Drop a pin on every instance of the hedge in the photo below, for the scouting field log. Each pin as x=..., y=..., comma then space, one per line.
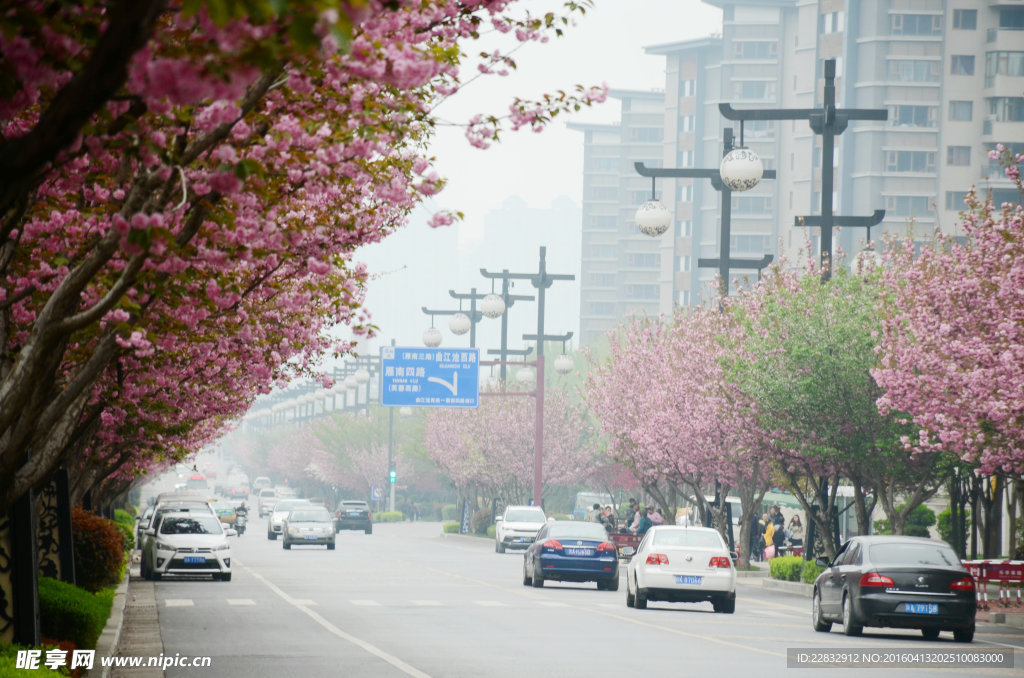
x=126, y=522
x=490, y=531
x=99, y=550
x=388, y=517
x=450, y=512
x=451, y=528
x=810, y=571
x=9, y=659
x=67, y=612
x=786, y=568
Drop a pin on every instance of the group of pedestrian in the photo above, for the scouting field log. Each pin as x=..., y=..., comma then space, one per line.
x=636, y=520
x=771, y=536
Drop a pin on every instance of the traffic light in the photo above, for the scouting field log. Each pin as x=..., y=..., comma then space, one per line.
x=392, y=475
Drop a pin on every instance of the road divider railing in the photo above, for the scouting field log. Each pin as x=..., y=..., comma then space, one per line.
x=1006, y=573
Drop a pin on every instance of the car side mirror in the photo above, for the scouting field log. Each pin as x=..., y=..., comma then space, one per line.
x=735, y=556
x=627, y=551
x=822, y=562
x=144, y=525
x=498, y=519
x=231, y=533
x=149, y=532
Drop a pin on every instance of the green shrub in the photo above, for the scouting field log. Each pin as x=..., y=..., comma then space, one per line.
x=67, y=612
x=945, y=526
x=490, y=531
x=810, y=572
x=9, y=659
x=786, y=568
x=451, y=528
x=126, y=523
x=450, y=512
x=560, y=516
x=388, y=517
x=918, y=521
x=99, y=550
x=479, y=521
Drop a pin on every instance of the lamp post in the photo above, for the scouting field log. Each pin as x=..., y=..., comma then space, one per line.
x=738, y=171
x=828, y=121
x=494, y=305
x=461, y=321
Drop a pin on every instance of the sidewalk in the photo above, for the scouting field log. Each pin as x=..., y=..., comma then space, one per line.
x=133, y=629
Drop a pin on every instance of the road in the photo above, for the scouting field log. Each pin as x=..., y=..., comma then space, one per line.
x=407, y=601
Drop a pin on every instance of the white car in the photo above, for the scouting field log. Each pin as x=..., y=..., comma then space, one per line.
x=682, y=565
x=517, y=527
x=189, y=544
x=308, y=525
x=275, y=521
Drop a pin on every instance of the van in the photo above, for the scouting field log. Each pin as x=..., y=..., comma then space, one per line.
x=585, y=502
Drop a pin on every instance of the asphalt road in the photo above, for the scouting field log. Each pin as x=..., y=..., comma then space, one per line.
x=407, y=601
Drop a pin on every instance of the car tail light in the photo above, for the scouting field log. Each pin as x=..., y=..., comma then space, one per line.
x=720, y=561
x=657, y=559
x=552, y=544
x=875, y=579
x=606, y=546
x=965, y=584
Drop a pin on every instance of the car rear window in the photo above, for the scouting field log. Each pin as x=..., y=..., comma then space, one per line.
x=913, y=554
x=578, y=530
x=354, y=505
x=525, y=516
x=309, y=517
x=687, y=538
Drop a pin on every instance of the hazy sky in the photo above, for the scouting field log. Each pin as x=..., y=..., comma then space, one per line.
x=418, y=266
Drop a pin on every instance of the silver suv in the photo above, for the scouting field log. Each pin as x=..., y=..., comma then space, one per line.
x=517, y=527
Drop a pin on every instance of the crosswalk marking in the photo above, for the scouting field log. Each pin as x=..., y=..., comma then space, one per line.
x=365, y=603
x=178, y=602
x=241, y=601
x=426, y=603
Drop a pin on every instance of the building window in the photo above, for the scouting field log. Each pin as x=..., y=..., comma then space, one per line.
x=603, y=193
x=1007, y=109
x=914, y=70
x=602, y=308
x=907, y=205
x=1011, y=19
x=754, y=90
x=686, y=123
x=686, y=158
x=909, y=161
x=602, y=279
x=958, y=156
x=684, y=228
x=1004, y=63
x=756, y=244
x=602, y=164
x=994, y=167
x=955, y=200
x=641, y=291
x=603, y=223
x=912, y=116
x=831, y=22
x=688, y=88
x=963, y=64
x=752, y=204
x=759, y=49
x=643, y=260
x=916, y=24
x=965, y=19
x=961, y=111
x=645, y=134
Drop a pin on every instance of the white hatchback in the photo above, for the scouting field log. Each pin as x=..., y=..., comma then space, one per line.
x=192, y=543
x=517, y=527
x=682, y=565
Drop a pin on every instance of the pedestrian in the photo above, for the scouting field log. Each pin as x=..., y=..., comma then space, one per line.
x=594, y=514
x=644, y=523
x=769, y=537
x=778, y=520
x=756, y=539
x=656, y=517
x=779, y=539
x=796, y=531
x=632, y=515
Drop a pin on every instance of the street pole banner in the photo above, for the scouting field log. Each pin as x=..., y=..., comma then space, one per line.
x=429, y=377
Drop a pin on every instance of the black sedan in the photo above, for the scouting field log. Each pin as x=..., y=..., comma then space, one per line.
x=572, y=550
x=901, y=582
x=353, y=515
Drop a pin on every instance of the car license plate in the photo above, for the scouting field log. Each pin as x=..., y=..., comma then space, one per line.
x=309, y=536
x=579, y=552
x=689, y=579
x=353, y=513
x=195, y=560
x=921, y=608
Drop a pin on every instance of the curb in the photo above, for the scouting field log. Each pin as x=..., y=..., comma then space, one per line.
x=797, y=587
x=106, y=645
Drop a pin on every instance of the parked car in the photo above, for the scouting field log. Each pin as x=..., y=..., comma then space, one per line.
x=140, y=521
x=308, y=525
x=895, y=581
x=679, y=564
x=517, y=527
x=149, y=530
x=275, y=519
x=189, y=543
x=197, y=481
x=353, y=514
x=571, y=550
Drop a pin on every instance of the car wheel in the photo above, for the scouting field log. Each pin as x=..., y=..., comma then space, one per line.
x=538, y=578
x=286, y=544
x=640, y=601
x=817, y=619
x=271, y=536
x=499, y=547
x=155, y=576
x=630, y=598
x=330, y=546
x=613, y=583
x=369, y=530
x=850, y=626
x=724, y=605
x=226, y=576
x=930, y=634
x=964, y=635
x=526, y=573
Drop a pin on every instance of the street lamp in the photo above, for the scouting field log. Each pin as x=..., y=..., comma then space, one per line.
x=459, y=324
x=432, y=337
x=492, y=305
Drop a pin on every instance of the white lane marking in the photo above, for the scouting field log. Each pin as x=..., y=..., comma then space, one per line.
x=491, y=603
x=178, y=602
x=551, y=603
x=365, y=603
x=331, y=628
x=241, y=601
x=426, y=603
x=304, y=601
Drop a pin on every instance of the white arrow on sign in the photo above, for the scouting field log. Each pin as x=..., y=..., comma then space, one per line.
x=453, y=386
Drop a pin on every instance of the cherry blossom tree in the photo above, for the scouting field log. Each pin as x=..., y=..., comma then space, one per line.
x=182, y=187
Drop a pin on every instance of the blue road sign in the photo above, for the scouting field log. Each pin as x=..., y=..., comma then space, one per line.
x=429, y=377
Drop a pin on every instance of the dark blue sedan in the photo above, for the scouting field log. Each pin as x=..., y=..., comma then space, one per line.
x=567, y=550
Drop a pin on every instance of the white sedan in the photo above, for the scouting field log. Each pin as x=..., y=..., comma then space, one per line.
x=682, y=565
x=190, y=544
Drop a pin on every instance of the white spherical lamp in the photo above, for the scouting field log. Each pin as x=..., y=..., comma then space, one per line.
x=524, y=376
x=866, y=261
x=564, y=364
x=362, y=375
x=492, y=306
x=350, y=382
x=459, y=324
x=741, y=169
x=432, y=337
x=652, y=218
